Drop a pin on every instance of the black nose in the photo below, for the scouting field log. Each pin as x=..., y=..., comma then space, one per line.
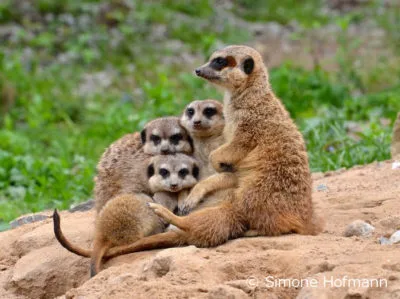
x=197, y=71
x=197, y=122
x=164, y=152
x=174, y=185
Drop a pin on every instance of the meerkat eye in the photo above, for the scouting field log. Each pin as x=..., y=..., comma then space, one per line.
x=164, y=172
x=176, y=138
x=209, y=112
x=156, y=139
x=183, y=173
x=190, y=112
x=195, y=172
x=219, y=63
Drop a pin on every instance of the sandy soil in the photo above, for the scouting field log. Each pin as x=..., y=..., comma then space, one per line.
x=34, y=265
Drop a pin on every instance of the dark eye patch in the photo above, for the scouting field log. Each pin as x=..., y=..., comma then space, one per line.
x=219, y=63
x=209, y=112
x=196, y=171
x=183, y=173
x=190, y=112
x=150, y=171
x=156, y=139
x=164, y=172
x=176, y=138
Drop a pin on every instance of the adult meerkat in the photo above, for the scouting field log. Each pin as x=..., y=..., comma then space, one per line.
x=204, y=121
x=120, y=170
x=267, y=154
x=126, y=218
x=396, y=139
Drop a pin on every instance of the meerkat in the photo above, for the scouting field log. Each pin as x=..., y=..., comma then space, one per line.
x=266, y=153
x=120, y=170
x=205, y=123
x=396, y=139
x=127, y=218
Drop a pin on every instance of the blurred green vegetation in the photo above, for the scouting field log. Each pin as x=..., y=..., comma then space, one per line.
x=53, y=130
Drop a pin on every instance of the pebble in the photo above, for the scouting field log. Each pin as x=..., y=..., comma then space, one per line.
x=322, y=187
x=84, y=206
x=28, y=219
x=359, y=228
x=394, y=239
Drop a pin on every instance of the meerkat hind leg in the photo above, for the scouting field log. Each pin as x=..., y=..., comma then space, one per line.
x=168, y=216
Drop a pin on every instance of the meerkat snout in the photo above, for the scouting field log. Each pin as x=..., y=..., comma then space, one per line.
x=231, y=67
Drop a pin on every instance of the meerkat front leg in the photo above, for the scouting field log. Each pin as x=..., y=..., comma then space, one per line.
x=213, y=183
x=225, y=157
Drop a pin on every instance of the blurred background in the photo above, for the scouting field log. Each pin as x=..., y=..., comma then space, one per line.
x=76, y=75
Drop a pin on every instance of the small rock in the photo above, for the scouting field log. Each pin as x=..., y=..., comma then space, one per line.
x=160, y=265
x=384, y=241
x=322, y=187
x=396, y=165
x=84, y=206
x=359, y=228
x=395, y=238
x=27, y=219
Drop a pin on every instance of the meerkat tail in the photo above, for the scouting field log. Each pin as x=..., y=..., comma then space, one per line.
x=63, y=241
x=158, y=241
x=99, y=250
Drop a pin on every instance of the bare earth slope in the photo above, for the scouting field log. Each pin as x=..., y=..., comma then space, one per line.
x=34, y=265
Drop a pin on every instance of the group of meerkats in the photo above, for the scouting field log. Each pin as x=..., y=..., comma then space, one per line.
x=218, y=172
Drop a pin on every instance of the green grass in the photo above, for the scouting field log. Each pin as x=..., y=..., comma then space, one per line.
x=53, y=136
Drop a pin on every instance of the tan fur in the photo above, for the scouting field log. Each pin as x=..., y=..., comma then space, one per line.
x=267, y=154
x=207, y=135
x=121, y=167
x=127, y=218
x=396, y=139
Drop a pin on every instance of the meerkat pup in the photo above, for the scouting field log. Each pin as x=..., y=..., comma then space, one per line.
x=120, y=170
x=396, y=139
x=204, y=121
x=266, y=153
x=126, y=218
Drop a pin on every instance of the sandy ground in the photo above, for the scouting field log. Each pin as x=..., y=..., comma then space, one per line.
x=34, y=265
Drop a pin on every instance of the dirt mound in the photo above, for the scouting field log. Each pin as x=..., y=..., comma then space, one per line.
x=34, y=265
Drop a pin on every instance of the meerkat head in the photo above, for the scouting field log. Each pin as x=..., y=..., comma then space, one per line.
x=234, y=68
x=164, y=136
x=203, y=118
x=172, y=173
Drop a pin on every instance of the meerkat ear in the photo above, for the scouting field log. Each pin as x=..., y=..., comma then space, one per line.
x=196, y=171
x=143, y=136
x=248, y=65
x=150, y=170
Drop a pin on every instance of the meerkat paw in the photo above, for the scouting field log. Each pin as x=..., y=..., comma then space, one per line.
x=193, y=199
x=159, y=210
x=220, y=163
